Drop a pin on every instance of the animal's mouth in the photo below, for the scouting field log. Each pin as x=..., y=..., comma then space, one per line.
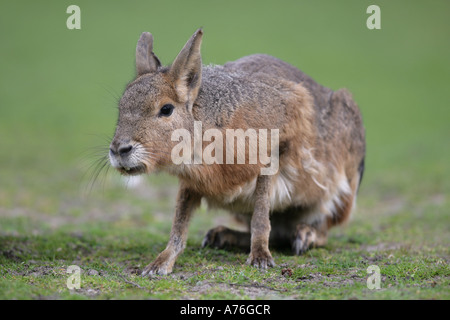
x=128, y=160
x=132, y=171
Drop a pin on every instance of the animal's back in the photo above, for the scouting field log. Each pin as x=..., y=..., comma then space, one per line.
x=267, y=65
x=338, y=118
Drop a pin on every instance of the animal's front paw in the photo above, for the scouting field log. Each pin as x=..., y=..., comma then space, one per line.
x=153, y=269
x=162, y=265
x=260, y=259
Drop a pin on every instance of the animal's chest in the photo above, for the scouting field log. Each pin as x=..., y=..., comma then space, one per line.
x=241, y=199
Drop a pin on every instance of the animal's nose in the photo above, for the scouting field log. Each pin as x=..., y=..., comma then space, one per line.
x=125, y=150
x=122, y=149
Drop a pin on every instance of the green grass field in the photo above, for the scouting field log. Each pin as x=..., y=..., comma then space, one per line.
x=58, y=108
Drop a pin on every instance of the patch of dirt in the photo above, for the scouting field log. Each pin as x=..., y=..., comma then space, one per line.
x=252, y=291
x=331, y=281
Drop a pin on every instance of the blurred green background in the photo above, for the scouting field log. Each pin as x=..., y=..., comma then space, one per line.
x=59, y=87
x=58, y=107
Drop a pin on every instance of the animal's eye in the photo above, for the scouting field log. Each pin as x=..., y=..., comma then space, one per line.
x=166, y=110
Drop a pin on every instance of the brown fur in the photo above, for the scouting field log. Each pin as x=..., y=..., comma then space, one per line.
x=321, y=148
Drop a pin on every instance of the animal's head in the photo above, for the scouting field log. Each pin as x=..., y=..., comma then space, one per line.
x=155, y=104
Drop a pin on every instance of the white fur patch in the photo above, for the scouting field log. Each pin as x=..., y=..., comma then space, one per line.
x=281, y=194
x=283, y=187
x=334, y=200
x=244, y=193
x=313, y=167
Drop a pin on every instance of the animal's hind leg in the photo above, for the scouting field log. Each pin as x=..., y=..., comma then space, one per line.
x=307, y=236
x=298, y=228
x=224, y=238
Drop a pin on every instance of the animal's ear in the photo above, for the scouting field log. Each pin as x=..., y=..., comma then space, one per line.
x=146, y=61
x=186, y=70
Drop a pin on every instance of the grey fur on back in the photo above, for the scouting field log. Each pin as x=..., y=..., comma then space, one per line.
x=334, y=109
x=224, y=90
x=264, y=64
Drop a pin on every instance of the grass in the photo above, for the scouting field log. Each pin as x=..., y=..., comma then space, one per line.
x=58, y=97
